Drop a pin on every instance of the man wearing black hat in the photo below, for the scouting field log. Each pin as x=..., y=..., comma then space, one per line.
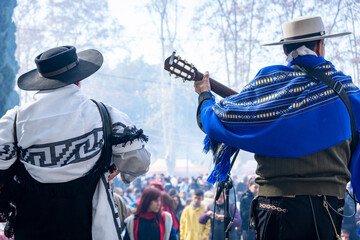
x=301, y=121
x=58, y=149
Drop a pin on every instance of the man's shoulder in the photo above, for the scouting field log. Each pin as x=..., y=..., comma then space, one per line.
x=187, y=208
x=190, y=209
x=203, y=207
x=273, y=69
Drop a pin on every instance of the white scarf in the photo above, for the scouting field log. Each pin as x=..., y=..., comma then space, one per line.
x=301, y=52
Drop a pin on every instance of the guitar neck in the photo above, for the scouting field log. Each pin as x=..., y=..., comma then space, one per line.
x=216, y=87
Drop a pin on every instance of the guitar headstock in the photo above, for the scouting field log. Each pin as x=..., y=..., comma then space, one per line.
x=180, y=68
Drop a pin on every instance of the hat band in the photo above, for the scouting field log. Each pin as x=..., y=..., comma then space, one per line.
x=304, y=36
x=60, y=71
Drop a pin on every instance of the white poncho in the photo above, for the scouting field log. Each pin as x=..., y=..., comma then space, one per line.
x=60, y=137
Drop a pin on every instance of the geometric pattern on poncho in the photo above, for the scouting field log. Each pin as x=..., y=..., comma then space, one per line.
x=62, y=153
x=58, y=154
x=7, y=152
x=266, y=101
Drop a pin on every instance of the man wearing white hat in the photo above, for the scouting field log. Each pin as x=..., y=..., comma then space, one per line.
x=300, y=121
x=60, y=150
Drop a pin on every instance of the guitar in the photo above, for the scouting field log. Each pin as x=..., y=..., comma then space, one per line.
x=188, y=72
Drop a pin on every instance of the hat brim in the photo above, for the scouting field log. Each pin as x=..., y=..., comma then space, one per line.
x=89, y=62
x=305, y=39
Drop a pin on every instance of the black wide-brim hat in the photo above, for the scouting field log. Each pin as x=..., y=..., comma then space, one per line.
x=60, y=66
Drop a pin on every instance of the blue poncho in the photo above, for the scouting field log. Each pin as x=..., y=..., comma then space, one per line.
x=281, y=113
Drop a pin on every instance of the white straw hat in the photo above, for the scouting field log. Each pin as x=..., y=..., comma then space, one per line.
x=304, y=29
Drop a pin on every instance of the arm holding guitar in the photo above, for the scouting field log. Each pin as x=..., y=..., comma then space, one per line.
x=203, y=85
x=203, y=97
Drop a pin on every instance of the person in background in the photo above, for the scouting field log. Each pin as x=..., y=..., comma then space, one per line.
x=174, y=182
x=168, y=203
x=241, y=186
x=218, y=233
x=183, y=196
x=137, y=183
x=167, y=184
x=190, y=228
x=345, y=235
x=123, y=209
x=208, y=198
x=116, y=182
x=119, y=191
x=144, y=184
x=160, y=178
x=128, y=196
x=193, y=184
x=179, y=207
x=136, y=193
x=149, y=222
x=203, y=184
x=184, y=187
x=245, y=205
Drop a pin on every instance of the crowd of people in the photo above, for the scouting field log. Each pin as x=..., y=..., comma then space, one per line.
x=190, y=201
x=185, y=208
x=189, y=204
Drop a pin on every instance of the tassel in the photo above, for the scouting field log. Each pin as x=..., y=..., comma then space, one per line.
x=129, y=135
x=222, y=155
x=207, y=144
x=210, y=144
x=222, y=164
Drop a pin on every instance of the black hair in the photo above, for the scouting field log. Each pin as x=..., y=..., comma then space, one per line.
x=173, y=192
x=199, y=193
x=290, y=47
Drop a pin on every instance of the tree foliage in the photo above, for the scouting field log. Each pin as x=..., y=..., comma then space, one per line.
x=241, y=25
x=44, y=24
x=167, y=36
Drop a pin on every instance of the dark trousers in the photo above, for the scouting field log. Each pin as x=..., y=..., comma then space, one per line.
x=293, y=218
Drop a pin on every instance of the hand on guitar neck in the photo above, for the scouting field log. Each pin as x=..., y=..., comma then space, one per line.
x=203, y=85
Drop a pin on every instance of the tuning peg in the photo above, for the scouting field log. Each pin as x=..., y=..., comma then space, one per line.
x=192, y=65
x=176, y=76
x=183, y=80
x=178, y=57
x=172, y=57
x=185, y=61
x=170, y=74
